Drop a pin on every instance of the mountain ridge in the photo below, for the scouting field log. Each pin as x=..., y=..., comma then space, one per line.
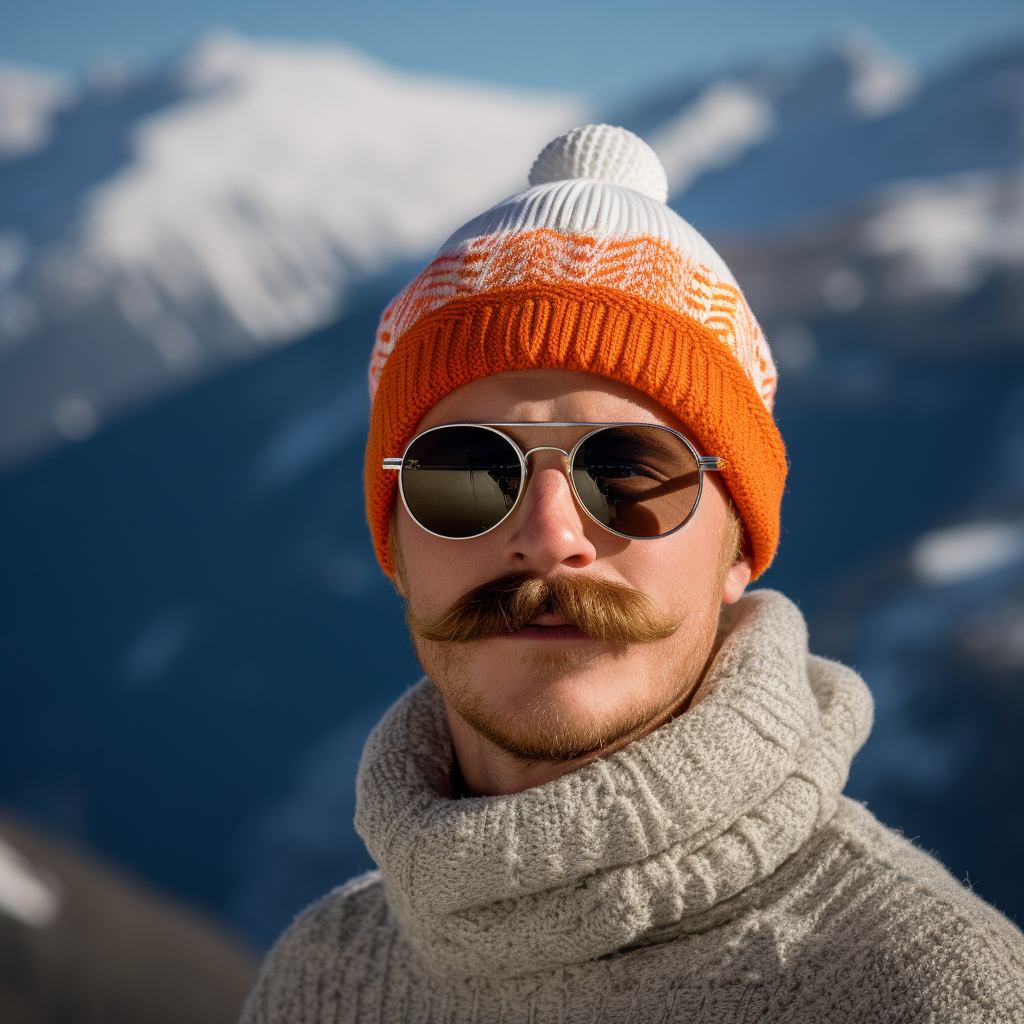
x=176, y=221
x=230, y=203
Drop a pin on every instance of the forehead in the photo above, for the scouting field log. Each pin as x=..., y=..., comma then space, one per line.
x=546, y=395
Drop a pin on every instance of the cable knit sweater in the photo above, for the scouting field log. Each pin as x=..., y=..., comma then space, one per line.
x=710, y=871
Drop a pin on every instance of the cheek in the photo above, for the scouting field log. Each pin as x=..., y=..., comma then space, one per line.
x=680, y=573
x=439, y=571
x=423, y=569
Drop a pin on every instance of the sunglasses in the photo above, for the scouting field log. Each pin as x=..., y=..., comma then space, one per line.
x=637, y=480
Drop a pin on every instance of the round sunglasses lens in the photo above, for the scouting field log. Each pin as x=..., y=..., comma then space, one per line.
x=460, y=481
x=639, y=481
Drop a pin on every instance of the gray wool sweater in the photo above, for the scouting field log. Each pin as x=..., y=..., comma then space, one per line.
x=710, y=871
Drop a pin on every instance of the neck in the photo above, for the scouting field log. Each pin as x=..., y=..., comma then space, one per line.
x=487, y=770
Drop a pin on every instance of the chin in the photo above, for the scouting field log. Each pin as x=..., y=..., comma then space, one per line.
x=583, y=676
x=559, y=705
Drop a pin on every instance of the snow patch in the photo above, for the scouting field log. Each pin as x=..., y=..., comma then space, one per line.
x=721, y=124
x=75, y=418
x=29, y=99
x=881, y=82
x=25, y=894
x=948, y=234
x=967, y=551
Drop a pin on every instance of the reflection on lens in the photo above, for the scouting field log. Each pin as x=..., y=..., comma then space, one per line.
x=641, y=481
x=460, y=481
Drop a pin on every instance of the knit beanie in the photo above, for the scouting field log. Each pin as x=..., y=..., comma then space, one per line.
x=587, y=269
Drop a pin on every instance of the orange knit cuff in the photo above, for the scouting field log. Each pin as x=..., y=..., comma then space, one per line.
x=675, y=360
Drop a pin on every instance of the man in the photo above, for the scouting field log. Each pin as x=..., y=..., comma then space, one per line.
x=617, y=794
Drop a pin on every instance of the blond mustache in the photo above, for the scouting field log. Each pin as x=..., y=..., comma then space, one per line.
x=603, y=609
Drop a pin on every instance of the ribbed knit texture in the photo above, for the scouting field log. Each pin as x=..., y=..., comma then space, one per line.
x=710, y=871
x=591, y=239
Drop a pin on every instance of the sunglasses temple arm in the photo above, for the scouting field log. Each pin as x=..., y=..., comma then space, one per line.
x=392, y=464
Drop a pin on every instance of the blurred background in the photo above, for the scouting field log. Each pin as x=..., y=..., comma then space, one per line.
x=203, y=209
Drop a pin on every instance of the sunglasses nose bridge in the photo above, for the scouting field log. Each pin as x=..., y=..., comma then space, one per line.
x=546, y=448
x=566, y=461
x=566, y=457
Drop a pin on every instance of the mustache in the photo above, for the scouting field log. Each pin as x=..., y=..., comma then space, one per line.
x=603, y=609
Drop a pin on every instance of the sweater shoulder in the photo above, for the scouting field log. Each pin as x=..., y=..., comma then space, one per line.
x=329, y=939
x=917, y=877
x=944, y=946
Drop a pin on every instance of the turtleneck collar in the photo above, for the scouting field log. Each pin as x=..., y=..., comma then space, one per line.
x=627, y=847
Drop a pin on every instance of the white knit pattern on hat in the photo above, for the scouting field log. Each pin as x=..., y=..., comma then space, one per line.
x=591, y=209
x=595, y=215
x=604, y=153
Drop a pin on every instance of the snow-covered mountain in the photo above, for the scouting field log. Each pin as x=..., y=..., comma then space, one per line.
x=775, y=146
x=158, y=226
x=702, y=127
x=925, y=244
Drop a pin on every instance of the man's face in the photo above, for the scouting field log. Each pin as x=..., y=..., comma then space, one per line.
x=550, y=692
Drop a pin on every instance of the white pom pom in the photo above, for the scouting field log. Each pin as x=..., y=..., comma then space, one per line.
x=603, y=153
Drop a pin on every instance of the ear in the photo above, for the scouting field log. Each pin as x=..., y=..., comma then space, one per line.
x=736, y=580
x=398, y=583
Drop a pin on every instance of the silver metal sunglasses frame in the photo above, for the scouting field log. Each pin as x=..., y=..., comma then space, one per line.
x=705, y=463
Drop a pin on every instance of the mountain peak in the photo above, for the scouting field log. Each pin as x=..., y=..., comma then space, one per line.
x=223, y=55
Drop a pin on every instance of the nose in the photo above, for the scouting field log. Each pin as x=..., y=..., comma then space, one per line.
x=548, y=526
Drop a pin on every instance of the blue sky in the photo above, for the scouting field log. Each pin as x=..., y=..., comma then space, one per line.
x=600, y=47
